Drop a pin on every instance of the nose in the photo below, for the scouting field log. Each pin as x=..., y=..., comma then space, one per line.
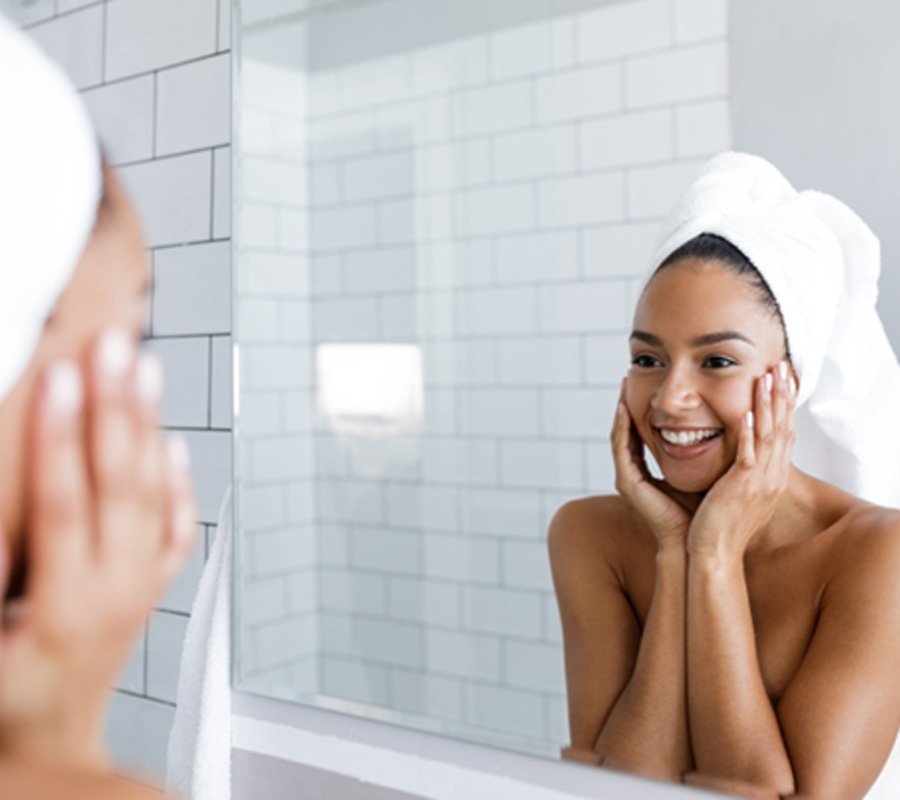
x=676, y=393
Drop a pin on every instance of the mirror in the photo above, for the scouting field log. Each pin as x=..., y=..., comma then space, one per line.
x=444, y=209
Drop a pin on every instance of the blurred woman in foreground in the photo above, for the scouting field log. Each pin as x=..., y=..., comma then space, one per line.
x=97, y=511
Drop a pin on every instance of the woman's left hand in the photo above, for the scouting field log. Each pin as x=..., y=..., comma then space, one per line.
x=743, y=500
x=111, y=521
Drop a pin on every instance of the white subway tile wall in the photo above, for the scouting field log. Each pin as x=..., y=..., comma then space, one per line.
x=493, y=201
x=155, y=77
x=278, y=633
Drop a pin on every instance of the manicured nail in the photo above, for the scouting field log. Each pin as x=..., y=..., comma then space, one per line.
x=178, y=453
x=783, y=370
x=65, y=391
x=115, y=353
x=768, y=382
x=748, y=419
x=149, y=379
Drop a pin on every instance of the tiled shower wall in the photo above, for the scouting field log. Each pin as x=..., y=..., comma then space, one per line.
x=279, y=621
x=490, y=200
x=156, y=78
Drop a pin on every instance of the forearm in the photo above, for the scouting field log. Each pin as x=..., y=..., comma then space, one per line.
x=646, y=730
x=64, y=728
x=733, y=727
x=27, y=779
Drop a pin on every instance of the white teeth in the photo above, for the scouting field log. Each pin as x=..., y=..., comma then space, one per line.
x=687, y=438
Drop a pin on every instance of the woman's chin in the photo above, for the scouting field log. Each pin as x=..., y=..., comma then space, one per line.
x=687, y=486
x=695, y=475
x=686, y=483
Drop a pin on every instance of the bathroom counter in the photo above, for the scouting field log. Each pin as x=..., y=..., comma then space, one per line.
x=278, y=747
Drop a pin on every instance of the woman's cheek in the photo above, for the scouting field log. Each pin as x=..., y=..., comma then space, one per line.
x=733, y=402
x=635, y=396
x=735, y=398
x=638, y=393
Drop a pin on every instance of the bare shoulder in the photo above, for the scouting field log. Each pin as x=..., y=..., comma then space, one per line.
x=866, y=554
x=590, y=522
x=590, y=511
x=594, y=531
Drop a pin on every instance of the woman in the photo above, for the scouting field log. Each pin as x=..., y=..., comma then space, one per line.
x=736, y=623
x=97, y=512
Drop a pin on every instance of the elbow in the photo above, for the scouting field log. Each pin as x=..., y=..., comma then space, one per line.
x=779, y=783
x=783, y=782
x=580, y=754
x=765, y=789
x=786, y=791
x=772, y=773
x=647, y=767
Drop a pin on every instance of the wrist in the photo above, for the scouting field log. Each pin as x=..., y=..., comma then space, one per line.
x=671, y=549
x=715, y=560
x=721, y=546
x=67, y=731
x=59, y=748
x=671, y=538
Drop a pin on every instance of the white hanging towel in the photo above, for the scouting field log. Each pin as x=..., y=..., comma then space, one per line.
x=199, y=755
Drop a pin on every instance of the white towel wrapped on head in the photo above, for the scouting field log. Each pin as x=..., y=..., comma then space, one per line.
x=822, y=263
x=50, y=184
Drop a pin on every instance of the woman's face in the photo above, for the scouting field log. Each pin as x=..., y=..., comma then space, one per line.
x=701, y=338
x=109, y=287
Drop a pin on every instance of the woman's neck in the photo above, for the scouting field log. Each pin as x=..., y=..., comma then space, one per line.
x=806, y=507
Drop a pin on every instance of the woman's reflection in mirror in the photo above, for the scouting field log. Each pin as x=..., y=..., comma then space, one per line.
x=734, y=622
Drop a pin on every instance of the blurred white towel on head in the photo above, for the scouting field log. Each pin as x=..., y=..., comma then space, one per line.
x=50, y=187
x=199, y=756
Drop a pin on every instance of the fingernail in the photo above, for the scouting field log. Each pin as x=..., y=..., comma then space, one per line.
x=792, y=383
x=768, y=382
x=149, y=379
x=783, y=370
x=178, y=453
x=114, y=353
x=748, y=419
x=65, y=391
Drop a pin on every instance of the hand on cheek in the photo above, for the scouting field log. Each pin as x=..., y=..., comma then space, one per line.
x=652, y=499
x=743, y=500
x=110, y=522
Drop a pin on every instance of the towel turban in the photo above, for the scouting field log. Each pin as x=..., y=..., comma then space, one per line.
x=50, y=184
x=822, y=263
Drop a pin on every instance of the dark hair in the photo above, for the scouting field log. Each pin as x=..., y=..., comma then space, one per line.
x=711, y=247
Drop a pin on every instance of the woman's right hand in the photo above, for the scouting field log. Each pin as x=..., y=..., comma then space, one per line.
x=653, y=499
x=110, y=521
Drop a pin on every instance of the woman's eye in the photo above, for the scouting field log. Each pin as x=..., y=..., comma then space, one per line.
x=718, y=362
x=645, y=361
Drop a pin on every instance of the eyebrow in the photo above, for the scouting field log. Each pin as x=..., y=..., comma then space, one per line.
x=700, y=341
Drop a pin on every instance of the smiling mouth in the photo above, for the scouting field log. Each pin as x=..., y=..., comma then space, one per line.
x=688, y=438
